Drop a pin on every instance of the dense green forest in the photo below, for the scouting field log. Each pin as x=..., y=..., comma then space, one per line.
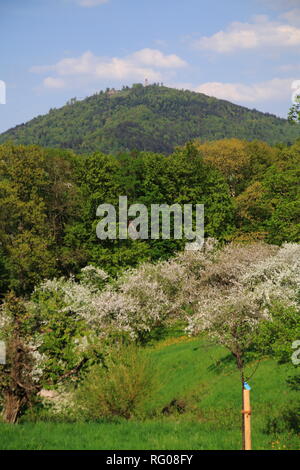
x=79, y=315
x=153, y=118
x=49, y=199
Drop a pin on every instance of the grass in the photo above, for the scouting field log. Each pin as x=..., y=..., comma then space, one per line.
x=202, y=379
x=153, y=435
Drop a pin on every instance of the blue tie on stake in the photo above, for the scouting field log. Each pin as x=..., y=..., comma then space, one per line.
x=247, y=386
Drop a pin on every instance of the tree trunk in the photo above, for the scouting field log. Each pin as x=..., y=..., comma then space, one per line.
x=12, y=407
x=243, y=416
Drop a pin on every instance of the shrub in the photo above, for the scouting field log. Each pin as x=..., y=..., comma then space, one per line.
x=121, y=389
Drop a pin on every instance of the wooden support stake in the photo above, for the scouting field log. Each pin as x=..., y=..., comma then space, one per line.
x=247, y=419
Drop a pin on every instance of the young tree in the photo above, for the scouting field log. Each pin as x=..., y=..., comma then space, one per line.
x=225, y=309
x=294, y=112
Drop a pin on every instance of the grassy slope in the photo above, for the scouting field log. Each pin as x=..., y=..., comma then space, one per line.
x=188, y=371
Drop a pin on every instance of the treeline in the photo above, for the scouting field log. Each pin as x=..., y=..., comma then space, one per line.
x=48, y=200
x=153, y=118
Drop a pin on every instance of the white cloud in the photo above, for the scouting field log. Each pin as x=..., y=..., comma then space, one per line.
x=90, y=3
x=146, y=63
x=155, y=58
x=259, y=34
x=273, y=90
x=51, y=82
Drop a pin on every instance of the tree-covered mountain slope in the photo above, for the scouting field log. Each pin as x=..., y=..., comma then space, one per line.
x=154, y=118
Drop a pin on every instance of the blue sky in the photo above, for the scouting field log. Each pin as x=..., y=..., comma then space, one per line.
x=246, y=51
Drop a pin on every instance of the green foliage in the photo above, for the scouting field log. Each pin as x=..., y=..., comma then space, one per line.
x=60, y=333
x=49, y=199
x=38, y=199
x=153, y=118
x=282, y=194
x=67, y=347
x=276, y=337
x=271, y=203
x=147, y=178
x=241, y=162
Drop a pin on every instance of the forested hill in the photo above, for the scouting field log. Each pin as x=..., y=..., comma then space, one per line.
x=154, y=118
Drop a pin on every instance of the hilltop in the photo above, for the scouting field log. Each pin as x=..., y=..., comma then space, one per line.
x=153, y=118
